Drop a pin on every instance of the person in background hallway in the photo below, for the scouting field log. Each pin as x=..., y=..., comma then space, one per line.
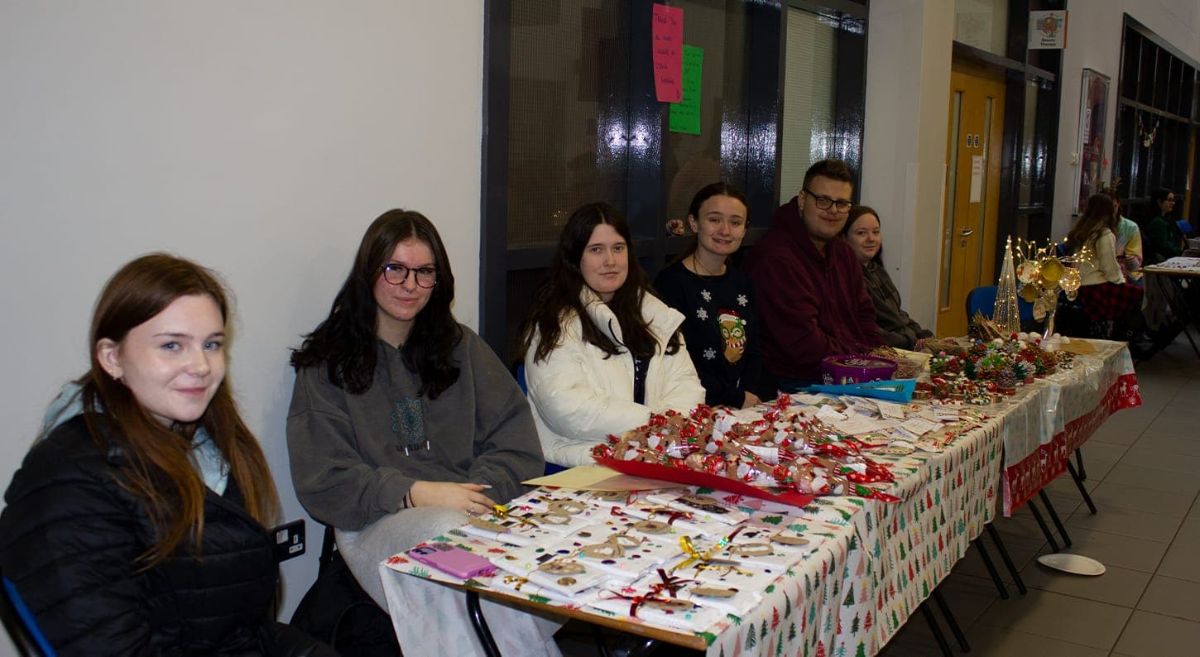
x=1163, y=239
x=1129, y=242
x=1104, y=295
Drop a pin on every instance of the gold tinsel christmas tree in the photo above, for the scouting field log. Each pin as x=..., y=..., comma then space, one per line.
x=1006, y=314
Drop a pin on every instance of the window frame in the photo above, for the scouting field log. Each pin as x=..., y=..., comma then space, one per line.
x=646, y=189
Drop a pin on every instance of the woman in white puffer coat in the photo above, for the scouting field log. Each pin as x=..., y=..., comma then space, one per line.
x=601, y=352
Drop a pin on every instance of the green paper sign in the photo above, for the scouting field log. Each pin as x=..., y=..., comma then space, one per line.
x=685, y=115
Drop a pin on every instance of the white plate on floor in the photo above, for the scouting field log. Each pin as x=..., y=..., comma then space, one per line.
x=1076, y=564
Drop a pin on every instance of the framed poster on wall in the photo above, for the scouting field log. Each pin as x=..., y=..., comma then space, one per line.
x=1092, y=103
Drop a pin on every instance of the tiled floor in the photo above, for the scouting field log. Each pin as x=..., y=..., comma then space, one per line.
x=1143, y=469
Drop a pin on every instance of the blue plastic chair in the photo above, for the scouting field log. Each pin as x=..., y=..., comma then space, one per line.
x=983, y=299
x=551, y=468
x=521, y=379
x=20, y=624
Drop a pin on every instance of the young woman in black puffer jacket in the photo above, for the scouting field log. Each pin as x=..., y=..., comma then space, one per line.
x=135, y=525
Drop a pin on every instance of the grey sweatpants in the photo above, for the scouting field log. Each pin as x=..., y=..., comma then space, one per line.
x=431, y=619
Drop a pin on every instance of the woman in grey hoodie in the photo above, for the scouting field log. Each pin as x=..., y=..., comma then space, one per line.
x=403, y=421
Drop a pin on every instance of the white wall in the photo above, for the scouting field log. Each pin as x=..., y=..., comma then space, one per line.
x=258, y=138
x=904, y=144
x=1094, y=32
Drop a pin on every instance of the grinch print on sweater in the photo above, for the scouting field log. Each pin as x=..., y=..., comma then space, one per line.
x=733, y=332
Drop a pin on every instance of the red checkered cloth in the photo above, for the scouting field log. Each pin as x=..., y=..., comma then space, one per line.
x=1106, y=301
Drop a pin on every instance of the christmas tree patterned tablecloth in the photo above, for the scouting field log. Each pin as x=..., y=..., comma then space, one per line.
x=870, y=564
x=1047, y=421
x=888, y=558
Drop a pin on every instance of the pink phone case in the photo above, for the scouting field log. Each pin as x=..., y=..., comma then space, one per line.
x=452, y=560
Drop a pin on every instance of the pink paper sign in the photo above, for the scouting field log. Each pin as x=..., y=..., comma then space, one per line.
x=666, y=30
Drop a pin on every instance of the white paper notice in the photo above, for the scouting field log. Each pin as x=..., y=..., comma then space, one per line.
x=976, y=178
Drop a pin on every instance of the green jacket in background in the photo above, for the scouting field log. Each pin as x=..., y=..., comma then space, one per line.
x=1162, y=239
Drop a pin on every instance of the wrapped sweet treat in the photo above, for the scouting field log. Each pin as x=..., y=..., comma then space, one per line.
x=517, y=585
x=661, y=583
x=771, y=450
x=551, y=568
x=622, y=554
x=802, y=476
x=906, y=368
x=947, y=346
x=661, y=610
x=704, y=507
x=652, y=516
x=522, y=528
x=760, y=547
x=725, y=574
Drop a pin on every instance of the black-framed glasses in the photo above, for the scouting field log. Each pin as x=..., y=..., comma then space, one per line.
x=824, y=202
x=395, y=274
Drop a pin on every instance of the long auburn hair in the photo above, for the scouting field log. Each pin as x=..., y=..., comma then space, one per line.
x=345, y=342
x=157, y=468
x=1098, y=215
x=855, y=213
x=558, y=297
x=706, y=192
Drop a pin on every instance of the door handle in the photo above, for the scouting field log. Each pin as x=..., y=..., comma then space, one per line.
x=967, y=232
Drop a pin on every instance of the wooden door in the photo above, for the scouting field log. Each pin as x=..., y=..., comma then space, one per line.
x=973, y=151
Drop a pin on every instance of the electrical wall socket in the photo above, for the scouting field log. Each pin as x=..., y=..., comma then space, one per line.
x=289, y=540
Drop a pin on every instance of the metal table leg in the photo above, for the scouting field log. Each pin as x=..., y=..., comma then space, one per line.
x=991, y=568
x=951, y=621
x=940, y=638
x=1078, y=479
x=1062, y=530
x=1008, y=562
x=1037, y=515
x=480, y=625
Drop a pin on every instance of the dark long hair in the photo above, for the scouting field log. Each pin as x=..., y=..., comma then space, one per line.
x=558, y=297
x=1098, y=214
x=856, y=212
x=157, y=469
x=706, y=192
x=345, y=343
x=1158, y=196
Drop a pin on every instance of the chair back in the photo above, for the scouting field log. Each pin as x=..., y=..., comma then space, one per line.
x=983, y=299
x=328, y=547
x=521, y=379
x=20, y=624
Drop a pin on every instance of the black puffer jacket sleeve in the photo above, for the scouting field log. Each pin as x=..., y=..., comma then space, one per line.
x=68, y=543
